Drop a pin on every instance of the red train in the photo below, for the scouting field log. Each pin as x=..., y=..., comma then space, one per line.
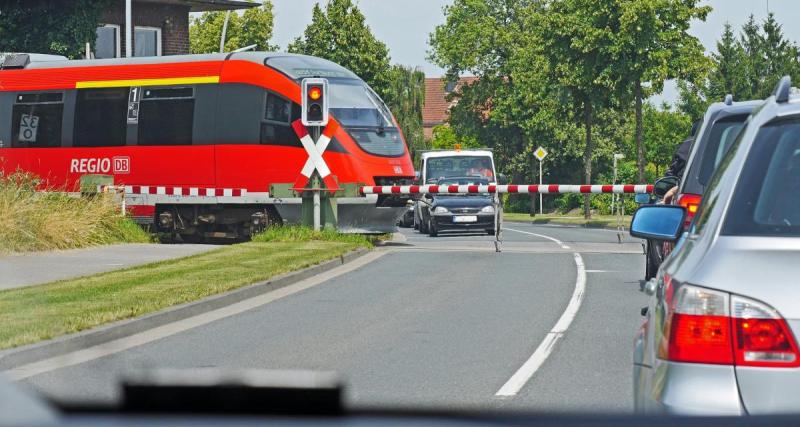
x=197, y=140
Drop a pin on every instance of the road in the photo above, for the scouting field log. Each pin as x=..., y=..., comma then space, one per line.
x=25, y=269
x=429, y=323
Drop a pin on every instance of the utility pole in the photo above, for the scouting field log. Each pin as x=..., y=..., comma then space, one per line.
x=128, y=29
x=224, y=32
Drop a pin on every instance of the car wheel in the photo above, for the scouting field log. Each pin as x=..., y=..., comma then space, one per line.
x=432, y=228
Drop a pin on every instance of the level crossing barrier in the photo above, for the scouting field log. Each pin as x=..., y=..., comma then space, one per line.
x=497, y=190
x=507, y=189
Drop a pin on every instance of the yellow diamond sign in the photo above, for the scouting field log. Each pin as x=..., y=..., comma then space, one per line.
x=540, y=153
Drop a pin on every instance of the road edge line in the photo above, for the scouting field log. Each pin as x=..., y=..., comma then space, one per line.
x=540, y=355
x=14, y=357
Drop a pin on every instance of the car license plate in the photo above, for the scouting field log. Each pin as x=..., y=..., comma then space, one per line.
x=465, y=218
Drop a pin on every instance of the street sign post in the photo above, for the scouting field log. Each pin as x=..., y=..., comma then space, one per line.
x=540, y=154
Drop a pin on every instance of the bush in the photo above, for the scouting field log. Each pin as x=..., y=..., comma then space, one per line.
x=33, y=221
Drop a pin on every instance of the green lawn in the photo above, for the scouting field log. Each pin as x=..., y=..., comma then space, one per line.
x=42, y=312
x=598, y=221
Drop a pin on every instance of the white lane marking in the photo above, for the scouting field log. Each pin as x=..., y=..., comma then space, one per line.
x=122, y=344
x=526, y=371
x=560, y=243
x=601, y=271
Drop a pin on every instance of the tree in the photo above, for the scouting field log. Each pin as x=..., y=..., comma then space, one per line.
x=253, y=27
x=664, y=131
x=405, y=96
x=444, y=138
x=46, y=26
x=578, y=39
x=340, y=34
x=729, y=76
x=653, y=45
x=747, y=67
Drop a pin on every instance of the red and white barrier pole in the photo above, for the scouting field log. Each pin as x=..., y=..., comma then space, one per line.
x=507, y=189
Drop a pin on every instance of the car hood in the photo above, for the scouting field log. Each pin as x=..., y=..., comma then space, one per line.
x=762, y=268
x=462, y=201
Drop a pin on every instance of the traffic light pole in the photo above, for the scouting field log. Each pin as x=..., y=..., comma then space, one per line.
x=316, y=185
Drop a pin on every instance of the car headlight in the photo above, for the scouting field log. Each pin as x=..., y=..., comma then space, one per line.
x=440, y=210
x=488, y=209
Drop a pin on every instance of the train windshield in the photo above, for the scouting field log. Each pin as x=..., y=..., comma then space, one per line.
x=365, y=117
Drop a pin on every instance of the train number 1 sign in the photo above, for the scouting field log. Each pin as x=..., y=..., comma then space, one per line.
x=134, y=98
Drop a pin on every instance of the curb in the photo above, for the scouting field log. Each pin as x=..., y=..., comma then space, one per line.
x=532, y=222
x=35, y=352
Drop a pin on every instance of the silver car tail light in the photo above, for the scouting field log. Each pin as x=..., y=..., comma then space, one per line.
x=698, y=328
x=762, y=336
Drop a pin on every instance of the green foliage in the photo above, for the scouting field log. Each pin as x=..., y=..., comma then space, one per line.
x=748, y=66
x=47, y=26
x=664, y=130
x=445, y=138
x=405, y=97
x=307, y=234
x=253, y=27
x=340, y=34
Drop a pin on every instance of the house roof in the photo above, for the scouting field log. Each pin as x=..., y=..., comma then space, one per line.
x=436, y=106
x=206, y=5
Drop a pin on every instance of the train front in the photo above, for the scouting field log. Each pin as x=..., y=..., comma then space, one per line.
x=368, y=148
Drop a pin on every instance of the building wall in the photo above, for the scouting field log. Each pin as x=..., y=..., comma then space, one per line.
x=172, y=19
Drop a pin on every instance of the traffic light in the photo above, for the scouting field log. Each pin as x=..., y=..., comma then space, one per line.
x=315, y=102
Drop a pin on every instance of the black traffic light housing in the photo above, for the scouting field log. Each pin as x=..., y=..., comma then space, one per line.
x=315, y=102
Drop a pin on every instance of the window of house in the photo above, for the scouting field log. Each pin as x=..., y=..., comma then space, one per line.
x=36, y=120
x=107, y=44
x=101, y=117
x=147, y=41
x=166, y=116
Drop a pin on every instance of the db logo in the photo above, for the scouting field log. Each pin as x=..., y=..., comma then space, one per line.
x=122, y=165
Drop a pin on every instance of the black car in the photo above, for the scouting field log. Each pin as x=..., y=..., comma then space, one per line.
x=463, y=212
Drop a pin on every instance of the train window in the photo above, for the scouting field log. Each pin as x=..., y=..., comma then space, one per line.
x=277, y=109
x=276, y=126
x=36, y=120
x=166, y=116
x=101, y=117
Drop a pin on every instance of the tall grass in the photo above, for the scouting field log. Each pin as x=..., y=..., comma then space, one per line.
x=35, y=221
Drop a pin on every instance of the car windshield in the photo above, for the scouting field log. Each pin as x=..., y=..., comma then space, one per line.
x=458, y=166
x=767, y=198
x=247, y=207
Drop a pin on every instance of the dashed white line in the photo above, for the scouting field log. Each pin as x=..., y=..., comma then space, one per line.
x=529, y=368
x=559, y=242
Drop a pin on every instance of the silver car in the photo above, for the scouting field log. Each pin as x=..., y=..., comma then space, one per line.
x=720, y=334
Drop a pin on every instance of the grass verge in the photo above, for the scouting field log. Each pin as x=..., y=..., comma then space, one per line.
x=596, y=221
x=42, y=312
x=36, y=221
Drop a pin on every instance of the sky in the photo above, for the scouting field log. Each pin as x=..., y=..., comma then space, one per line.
x=404, y=25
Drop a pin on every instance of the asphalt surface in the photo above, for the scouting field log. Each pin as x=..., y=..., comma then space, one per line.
x=42, y=267
x=433, y=323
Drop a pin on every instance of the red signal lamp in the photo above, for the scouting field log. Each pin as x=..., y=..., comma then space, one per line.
x=315, y=93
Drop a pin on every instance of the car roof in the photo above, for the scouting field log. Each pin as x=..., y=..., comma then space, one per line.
x=451, y=153
x=715, y=112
